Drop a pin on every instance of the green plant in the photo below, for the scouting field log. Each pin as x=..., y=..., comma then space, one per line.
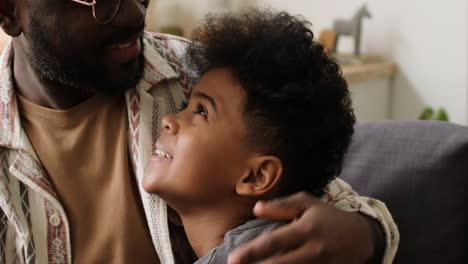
x=429, y=114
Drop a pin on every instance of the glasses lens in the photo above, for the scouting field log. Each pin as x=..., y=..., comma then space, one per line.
x=105, y=10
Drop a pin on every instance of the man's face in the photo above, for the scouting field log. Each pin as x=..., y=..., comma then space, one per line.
x=202, y=151
x=65, y=45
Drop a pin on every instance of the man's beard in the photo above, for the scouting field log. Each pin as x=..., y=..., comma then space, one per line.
x=69, y=70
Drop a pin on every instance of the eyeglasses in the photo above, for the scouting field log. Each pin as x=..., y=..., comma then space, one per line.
x=105, y=11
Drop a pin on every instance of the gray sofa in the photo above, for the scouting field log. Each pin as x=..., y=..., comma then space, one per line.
x=420, y=170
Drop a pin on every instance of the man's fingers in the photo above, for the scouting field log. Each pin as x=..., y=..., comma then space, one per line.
x=287, y=208
x=283, y=238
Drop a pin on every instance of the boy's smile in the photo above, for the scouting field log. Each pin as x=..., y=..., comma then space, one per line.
x=160, y=153
x=202, y=145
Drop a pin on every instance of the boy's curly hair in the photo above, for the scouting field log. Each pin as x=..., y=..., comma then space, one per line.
x=297, y=104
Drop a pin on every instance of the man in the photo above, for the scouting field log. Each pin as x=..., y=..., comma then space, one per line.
x=82, y=91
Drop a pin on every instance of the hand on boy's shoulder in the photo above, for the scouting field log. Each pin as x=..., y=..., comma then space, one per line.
x=319, y=233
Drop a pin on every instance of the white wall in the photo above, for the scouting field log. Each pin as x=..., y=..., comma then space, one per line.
x=187, y=13
x=426, y=38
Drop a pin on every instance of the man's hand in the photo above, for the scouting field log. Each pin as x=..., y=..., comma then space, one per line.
x=319, y=233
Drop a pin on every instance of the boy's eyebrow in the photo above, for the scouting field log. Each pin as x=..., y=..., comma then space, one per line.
x=207, y=97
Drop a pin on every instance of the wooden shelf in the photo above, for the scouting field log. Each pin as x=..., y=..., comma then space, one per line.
x=366, y=68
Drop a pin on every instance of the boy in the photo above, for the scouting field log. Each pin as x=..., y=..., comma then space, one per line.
x=270, y=116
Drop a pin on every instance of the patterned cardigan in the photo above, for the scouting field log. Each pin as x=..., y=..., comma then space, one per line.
x=33, y=225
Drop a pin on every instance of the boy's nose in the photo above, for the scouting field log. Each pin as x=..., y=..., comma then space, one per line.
x=169, y=124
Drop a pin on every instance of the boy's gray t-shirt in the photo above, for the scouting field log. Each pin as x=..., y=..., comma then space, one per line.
x=237, y=236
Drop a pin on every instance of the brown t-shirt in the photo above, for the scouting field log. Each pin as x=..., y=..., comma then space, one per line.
x=85, y=153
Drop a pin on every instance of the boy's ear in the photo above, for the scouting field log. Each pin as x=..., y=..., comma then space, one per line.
x=263, y=176
x=9, y=20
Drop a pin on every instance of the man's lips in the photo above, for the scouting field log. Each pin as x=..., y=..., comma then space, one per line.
x=124, y=45
x=124, y=51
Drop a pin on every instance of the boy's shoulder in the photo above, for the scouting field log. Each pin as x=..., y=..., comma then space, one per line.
x=236, y=237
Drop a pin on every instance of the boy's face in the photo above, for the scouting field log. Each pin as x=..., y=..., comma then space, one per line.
x=202, y=151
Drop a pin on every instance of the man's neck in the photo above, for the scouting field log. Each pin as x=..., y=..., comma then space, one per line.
x=46, y=94
x=205, y=229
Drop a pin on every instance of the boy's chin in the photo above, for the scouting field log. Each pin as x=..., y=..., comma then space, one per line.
x=152, y=186
x=149, y=184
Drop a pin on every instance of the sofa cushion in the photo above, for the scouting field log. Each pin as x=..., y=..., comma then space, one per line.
x=420, y=170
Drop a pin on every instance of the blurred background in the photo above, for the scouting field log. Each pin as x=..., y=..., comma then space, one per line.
x=413, y=60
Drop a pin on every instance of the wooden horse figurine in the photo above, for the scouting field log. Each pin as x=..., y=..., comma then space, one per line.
x=352, y=28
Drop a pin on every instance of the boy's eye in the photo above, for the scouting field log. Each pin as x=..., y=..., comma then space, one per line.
x=201, y=110
x=183, y=105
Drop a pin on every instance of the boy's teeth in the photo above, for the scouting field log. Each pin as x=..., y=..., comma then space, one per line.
x=162, y=154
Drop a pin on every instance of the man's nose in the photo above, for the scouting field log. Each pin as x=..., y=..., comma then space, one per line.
x=132, y=13
x=170, y=125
